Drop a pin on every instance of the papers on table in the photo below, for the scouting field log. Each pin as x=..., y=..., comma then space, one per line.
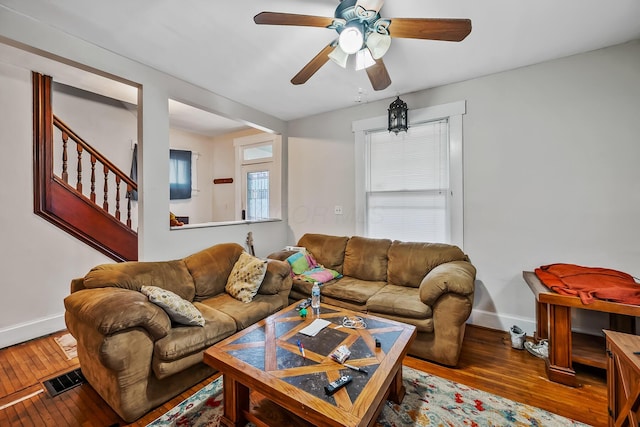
x=316, y=326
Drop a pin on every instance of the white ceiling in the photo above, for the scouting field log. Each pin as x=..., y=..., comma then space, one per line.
x=216, y=44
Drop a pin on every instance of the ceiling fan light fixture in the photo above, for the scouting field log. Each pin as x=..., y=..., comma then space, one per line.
x=339, y=56
x=364, y=59
x=351, y=38
x=378, y=44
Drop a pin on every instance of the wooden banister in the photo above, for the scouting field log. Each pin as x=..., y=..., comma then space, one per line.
x=64, y=204
x=95, y=153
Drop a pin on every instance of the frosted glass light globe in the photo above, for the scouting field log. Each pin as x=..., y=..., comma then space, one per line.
x=351, y=40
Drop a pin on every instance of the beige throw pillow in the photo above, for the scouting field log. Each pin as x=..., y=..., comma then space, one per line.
x=246, y=277
x=179, y=310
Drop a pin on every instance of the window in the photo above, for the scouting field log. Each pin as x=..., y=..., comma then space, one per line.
x=179, y=174
x=258, y=172
x=257, y=195
x=409, y=186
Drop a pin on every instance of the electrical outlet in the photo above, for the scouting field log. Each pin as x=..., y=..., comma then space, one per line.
x=337, y=210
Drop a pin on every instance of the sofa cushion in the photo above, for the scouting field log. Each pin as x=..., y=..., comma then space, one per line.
x=399, y=301
x=366, y=258
x=409, y=262
x=179, y=310
x=211, y=267
x=246, y=277
x=246, y=314
x=170, y=275
x=327, y=250
x=351, y=289
x=177, y=348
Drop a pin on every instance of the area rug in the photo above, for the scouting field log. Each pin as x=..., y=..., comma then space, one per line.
x=68, y=345
x=430, y=401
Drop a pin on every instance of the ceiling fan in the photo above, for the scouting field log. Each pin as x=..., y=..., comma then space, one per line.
x=364, y=33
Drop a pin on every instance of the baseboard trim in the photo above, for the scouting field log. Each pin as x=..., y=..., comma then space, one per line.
x=22, y=332
x=504, y=323
x=501, y=322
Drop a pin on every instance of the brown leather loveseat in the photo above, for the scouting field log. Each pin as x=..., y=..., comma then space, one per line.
x=130, y=351
x=429, y=285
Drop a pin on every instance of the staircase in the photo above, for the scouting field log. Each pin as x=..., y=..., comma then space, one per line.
x=73, y=207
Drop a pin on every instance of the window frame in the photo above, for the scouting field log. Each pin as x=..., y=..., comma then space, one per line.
x=453, y=112
x=175, y=157
x=273, y=164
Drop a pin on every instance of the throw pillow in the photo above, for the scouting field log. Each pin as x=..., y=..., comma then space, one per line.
x=179, y=310
x=246, y=277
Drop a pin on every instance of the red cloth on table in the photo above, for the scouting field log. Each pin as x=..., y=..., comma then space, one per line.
x=590, y=283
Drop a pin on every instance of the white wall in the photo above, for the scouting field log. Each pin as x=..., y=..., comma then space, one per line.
x=550, y=174
x=38, y=260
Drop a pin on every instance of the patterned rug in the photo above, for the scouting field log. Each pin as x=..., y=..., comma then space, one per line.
x=430, y=401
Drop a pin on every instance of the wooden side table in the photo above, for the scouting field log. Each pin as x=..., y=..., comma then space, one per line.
x=623, y=378
x=553, y=322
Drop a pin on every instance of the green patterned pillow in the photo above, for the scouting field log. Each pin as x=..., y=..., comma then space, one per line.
x=246, y=277
x=179, y=310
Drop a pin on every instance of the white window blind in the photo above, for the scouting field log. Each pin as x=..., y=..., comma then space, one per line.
x=407, y=184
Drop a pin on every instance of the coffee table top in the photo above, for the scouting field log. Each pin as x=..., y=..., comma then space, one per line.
x=265, y=357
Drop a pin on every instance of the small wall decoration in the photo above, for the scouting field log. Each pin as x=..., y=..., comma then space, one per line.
x=223, y=181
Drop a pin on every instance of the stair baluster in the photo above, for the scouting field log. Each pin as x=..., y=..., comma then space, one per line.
x=93, y=178
x=105, y=204
x=79, y=182
x=117, y=198
x=65, y=174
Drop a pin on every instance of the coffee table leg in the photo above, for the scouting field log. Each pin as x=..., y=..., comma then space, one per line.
x=236, y=402
x=396, y=389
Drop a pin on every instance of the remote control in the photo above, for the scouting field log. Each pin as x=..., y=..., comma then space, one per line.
x=304, y=304
x=337, y=384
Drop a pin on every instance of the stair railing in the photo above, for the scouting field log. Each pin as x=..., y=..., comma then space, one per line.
x=110, y=172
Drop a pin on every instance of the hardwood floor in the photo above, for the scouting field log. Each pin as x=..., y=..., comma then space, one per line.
x=487, y=362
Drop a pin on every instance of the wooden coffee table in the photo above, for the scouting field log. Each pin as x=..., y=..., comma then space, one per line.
x=266, y=358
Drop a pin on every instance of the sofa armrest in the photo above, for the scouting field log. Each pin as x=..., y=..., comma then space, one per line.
x=281, y=255
x=277, y=279
x=455, y=276
x=77, y=284
x=110, y=310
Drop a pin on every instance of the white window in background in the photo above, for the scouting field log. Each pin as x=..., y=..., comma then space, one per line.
x=258, y=172
x=409, y=186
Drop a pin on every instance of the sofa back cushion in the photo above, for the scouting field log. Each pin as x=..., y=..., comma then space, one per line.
x=409, y=262
x=170, y=275
x=327, y=250
x=211, y=267
x=366, y=258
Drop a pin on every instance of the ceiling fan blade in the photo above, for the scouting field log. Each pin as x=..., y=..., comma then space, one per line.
x=453, y=30
x=276, y=18
x=378, y=75
x=370, y=4
x=314, y=65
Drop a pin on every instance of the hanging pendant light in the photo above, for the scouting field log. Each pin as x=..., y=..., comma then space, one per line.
x=398, y=117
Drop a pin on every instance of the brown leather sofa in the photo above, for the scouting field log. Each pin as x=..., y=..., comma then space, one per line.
x=429, y=285
x=129, y=350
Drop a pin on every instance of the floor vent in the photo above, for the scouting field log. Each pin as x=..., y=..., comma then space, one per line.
x=64, y=382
